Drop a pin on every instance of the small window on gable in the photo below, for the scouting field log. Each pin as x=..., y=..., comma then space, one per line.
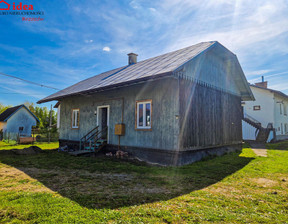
x=258, y=107
x=144, y=114
x=75, y=118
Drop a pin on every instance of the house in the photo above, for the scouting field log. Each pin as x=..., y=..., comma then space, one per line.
x=172, y=109
x=17, y=121
x=266, y=119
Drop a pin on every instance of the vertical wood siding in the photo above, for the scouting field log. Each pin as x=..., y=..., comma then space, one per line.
x=208, y=117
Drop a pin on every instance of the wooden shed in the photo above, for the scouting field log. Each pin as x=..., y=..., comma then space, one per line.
x=17, y=122
x=175, y=108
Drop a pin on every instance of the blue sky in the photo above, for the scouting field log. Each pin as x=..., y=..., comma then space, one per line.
x=79, y=39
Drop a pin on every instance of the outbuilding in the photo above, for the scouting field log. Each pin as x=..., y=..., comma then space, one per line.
x=17, y=122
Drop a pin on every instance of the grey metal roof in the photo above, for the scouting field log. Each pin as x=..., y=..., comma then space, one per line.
x=143, y=70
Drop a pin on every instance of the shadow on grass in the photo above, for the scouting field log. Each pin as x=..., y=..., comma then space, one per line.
x=110, y=183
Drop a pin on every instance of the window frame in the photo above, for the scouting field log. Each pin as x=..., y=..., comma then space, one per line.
x=145, y=127
x=77, y=119
x=257, y=107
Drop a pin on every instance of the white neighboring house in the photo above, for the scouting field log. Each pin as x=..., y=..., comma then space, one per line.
x=265, y=118
x=58, y=106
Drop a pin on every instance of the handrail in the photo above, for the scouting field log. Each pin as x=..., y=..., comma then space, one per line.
x=95, y=134
x=84, y=139
x=85, y=136
x=252, y=119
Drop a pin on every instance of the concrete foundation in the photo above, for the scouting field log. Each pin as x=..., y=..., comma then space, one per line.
x=165, y=157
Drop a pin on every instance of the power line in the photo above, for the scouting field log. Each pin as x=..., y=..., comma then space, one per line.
x=24, y=80
x=23, y=94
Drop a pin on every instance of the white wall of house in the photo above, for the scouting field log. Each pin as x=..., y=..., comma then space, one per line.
x=273, y=109
x=281, y=116
x=264, y=99
x=58, y=116
x=248, y=131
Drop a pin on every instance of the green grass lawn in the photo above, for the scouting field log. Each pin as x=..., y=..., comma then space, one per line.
x=42, y=145
x=53, y=187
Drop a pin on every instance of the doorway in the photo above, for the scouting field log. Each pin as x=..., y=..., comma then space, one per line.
x=103, y=121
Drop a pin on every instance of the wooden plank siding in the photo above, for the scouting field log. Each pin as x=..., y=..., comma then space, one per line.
x=208, y=117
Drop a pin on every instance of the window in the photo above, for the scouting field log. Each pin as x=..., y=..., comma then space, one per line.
x=21, y=129
x=75, y=118
x=285, y=109
x=144, y=114
x=280, y=108
x=258, y=107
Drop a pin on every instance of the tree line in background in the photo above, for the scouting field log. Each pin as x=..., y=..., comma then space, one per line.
x=42, y=113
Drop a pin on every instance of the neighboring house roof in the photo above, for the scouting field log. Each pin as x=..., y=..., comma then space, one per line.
x=271, y=90
x=57, y=105
x=12, y=110
x=151, y=68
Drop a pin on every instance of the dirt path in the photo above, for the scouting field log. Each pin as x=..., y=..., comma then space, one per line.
x=259, y=149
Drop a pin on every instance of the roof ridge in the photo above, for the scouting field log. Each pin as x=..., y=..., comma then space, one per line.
x=184, y=48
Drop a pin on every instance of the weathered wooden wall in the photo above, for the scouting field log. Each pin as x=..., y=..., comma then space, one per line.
x=22, y=118
x=208, y=117
x=164, y=96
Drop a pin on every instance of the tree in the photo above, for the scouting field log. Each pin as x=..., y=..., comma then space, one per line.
x=3, y=107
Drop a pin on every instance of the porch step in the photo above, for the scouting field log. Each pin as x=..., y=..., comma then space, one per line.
x=102, y=140
x=80, y=152
x=90, y=149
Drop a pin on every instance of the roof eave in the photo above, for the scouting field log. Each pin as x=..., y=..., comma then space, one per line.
x=118, y=85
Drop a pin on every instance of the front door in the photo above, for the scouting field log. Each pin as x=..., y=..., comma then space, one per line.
x=103, y=121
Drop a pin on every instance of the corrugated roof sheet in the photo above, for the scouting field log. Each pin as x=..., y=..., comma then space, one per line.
x=151, y=67
x=10, y=111
x=7, y=113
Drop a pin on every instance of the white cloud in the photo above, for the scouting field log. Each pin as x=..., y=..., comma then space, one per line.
x=134, y=4
x=88, y=41
x=258, y=72
x=107, y=49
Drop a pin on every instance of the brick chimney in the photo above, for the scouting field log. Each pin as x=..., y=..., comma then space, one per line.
x=262, y=84
x=132, y=58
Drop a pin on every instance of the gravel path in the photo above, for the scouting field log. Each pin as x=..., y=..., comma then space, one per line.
x=259, y=149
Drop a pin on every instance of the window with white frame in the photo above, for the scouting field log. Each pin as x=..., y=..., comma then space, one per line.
x=75, y=118
x=144, y=114
x=285, y=109
x=280, y=108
